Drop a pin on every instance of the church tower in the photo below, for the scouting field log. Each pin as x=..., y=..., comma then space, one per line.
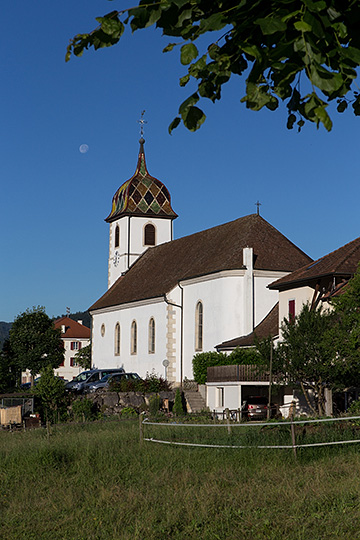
x=141, y=216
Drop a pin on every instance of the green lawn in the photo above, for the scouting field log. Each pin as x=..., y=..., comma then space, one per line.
x=95, y=481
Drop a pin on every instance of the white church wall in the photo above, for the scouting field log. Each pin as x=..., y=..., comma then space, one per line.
x=223, y=311
x=143, y=361
x=264, y=298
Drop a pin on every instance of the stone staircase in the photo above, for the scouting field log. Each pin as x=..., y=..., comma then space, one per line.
x=194, y=401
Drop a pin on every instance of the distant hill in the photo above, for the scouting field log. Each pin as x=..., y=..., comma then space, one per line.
x=83, y=316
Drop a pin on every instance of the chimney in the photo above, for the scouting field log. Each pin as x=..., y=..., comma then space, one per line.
x=63, y=329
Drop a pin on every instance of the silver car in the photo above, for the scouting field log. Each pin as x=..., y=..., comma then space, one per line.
x=112, y=378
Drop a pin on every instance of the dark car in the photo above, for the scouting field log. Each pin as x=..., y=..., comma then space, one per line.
x=86, y=378
x=256, y=408
x=111, y=378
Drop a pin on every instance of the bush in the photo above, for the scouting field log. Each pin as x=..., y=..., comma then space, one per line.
x=82, y=408
x=128, y=412
x=202, y=361
x=154, y=404
x=178, y=408
x=151, y=383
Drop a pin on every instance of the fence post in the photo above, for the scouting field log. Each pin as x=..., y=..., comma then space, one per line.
x=141, y=428
x=292, y=427
x=227, y=412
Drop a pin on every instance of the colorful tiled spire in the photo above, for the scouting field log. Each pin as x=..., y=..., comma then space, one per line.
x=142, y=195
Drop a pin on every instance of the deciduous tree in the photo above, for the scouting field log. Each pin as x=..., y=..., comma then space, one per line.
x=302, y=52
x=35, y=342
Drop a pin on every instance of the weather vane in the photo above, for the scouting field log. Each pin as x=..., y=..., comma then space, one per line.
x=142, y=122
x=258, y=204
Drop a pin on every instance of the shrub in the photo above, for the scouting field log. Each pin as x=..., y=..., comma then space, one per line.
x=202, y=361
x=154, y=404
x=82, y=408
x=178, y=408
x=128, y=412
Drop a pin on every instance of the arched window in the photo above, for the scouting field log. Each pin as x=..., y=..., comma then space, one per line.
x=133, y=345
x=149, y=235
x=199, y=314
x=117, y=236
x=117, y=339
x=151, y=336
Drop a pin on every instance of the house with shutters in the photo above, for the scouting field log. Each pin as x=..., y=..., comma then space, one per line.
x=169, y=299
x=75, y=336
x=317, y=282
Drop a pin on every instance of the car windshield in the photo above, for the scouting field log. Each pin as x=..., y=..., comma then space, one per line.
x=82, y=376
x=105, y=377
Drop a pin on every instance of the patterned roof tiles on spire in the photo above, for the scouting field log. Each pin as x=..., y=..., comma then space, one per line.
x=142, y=194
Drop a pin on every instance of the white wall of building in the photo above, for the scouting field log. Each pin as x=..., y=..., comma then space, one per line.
x=301, y=295
x=123, y=256
x=142, y=362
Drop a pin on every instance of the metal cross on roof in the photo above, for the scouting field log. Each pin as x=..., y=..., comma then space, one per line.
x=258, y=204
x=142, y=122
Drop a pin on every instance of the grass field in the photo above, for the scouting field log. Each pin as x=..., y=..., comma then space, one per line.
x=95, y=481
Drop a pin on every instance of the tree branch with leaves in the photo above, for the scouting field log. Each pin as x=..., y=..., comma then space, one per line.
x=301, y=52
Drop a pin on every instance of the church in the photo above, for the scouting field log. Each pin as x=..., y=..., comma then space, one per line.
x=170, y=299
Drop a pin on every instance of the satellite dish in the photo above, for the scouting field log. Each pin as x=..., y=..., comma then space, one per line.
x=166, y=363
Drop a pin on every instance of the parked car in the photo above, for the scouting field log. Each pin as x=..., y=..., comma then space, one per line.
x=256, y=408
x=27, y=385
x=107, y=380
x=82, y=381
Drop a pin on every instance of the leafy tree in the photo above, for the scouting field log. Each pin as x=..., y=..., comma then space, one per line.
x=83, y=357
x=9, y=372
x=51, y=392
x=35, y=342
x=346, y=336
x=308, y=355
x=302, y=52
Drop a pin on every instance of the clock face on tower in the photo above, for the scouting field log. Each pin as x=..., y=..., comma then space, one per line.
x=116, y=258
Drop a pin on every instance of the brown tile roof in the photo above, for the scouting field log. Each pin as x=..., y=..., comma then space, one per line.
x=269, y=326
x=342, y=262
x=159, y=269
x=73, y=329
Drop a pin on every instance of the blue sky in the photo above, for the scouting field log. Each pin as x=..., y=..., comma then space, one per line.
x=54, y=241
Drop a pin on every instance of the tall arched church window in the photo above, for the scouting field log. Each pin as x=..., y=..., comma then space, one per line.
x=133, y=344
x=149, y=235
x=199, y=314
x=151, y=336
x=117, y=339
x=117, y=236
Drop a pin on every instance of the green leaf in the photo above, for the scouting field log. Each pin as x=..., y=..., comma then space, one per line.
x=353, y=53
x=327, y=81
x=189, y=102
x=356, y=106
x=194, y=118
x=112, y=27
x=323, y=116
x=184, y=80
x=169, y=47
x=213, y=23
x=291, y=121
x=188, y=53
x=302, y=26
x=174, y=124
x=342, y=106
x=270, y=25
